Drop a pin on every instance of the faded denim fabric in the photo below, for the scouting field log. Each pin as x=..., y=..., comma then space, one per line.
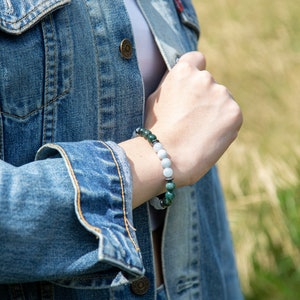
x=67, y=97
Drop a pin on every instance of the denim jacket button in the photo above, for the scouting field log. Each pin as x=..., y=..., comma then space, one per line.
x=126, y=49
x=140, y=286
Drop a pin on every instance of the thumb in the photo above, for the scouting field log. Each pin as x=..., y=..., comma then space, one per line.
x=195, y=59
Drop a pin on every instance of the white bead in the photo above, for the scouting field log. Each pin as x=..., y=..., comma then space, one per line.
x=155, y=202
x=166, y=163
x=168, y=172
x=157, y=147
x=162, y=153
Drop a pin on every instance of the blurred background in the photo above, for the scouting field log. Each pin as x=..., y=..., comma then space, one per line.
x=253, y=47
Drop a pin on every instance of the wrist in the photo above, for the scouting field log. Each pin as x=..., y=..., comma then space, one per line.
x=185, y=157
x=147, y=178
x=165, y=200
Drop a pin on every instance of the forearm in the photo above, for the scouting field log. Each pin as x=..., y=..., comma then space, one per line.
x=146, y=169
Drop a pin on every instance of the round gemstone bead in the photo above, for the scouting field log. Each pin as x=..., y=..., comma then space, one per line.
x=169, y=195
x=157, y=203
x=166, y=202
x=168, y=172
x=157, y=146
x=166, y=162
x=170, y=186
x=162, y=153
x=140, y=131
x=146, y=132
x=151, y=138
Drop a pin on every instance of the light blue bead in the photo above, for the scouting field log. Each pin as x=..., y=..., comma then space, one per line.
x=156, y=203
x=162, y=153
x=166, y=163
x=168, y=172
x=157, y=147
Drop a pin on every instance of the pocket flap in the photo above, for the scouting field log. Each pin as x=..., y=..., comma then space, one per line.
x=17, y=16
x=189, y=17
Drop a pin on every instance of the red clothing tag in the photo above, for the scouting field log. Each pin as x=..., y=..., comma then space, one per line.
x=179, y=6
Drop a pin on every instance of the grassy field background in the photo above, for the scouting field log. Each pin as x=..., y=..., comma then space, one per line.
x=253, y=47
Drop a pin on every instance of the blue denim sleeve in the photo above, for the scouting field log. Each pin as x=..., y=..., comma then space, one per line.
x=44, y=238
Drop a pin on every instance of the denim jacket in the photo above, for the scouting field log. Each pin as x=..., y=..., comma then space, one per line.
x=68, y=96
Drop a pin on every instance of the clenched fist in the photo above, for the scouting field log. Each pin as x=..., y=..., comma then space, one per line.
x=194, y=117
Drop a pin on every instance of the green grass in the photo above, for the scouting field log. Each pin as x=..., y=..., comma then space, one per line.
x=253, y=47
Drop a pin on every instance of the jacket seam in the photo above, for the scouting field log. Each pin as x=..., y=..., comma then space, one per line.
x=126, y=222
x=66, y=92
x=77, y=187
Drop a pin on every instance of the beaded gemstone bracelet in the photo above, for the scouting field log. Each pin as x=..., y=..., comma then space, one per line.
x=165, y=200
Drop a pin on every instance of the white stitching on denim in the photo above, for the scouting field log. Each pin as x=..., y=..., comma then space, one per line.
x=9, y=7
x=56, y=4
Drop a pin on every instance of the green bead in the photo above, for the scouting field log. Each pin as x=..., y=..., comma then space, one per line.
x=167, y=202
x=169, y=195
x=170, y=186
x=146, y=132
x=141, y=131
x=151, y=138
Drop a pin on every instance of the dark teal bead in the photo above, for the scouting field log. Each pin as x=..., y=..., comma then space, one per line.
x=169, y=195
x=166, y=202
x=142, y=131
x=151, y=138
x=146, y=132
x=170, y=186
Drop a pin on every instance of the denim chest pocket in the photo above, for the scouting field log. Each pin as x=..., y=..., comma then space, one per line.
x=35, y=55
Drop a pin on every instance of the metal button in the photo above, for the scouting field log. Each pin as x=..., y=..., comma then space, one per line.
x=126, y=49
x=140, y=286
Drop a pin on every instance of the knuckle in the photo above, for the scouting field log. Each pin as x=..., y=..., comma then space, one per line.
x=223, y=90
x=233, y=109
x=183, y=68
x=206, y=77
x=201, y=60
x=184, y=65
x=236, y=114
x=193, y=58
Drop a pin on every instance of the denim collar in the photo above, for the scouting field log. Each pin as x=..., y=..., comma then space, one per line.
x=18, y=16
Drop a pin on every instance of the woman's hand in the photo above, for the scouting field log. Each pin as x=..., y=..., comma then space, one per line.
x=195, y=118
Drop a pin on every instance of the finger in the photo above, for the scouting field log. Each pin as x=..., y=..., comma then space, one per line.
x=194, y=58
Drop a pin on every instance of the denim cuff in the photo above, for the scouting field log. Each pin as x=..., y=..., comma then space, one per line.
x=101, y=177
